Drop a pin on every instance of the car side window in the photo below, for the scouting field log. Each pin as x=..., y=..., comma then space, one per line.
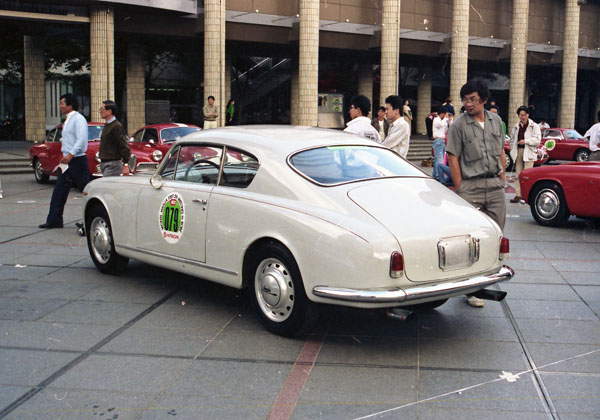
x=137, y=137
x=58, y=134
x=239, y=169
x=553, y=134
x=51, y=135
x=150, y=134
x=197, y=163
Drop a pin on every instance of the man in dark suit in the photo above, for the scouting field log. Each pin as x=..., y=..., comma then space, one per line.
x=381, y=124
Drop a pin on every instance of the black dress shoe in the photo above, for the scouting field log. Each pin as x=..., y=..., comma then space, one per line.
x=50, y=226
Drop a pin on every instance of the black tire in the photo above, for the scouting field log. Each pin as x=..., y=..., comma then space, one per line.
x=581, y=155
x=548, y=205
x=509, y=163
x=277, y=293
x=40, y=176
x=101, y=244
x=427, y=306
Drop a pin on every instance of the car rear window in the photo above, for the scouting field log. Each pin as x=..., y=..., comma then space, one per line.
x=572, y=134
x=340, y=164
x=94, y=132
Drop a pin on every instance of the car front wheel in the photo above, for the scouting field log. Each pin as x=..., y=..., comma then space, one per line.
x=277, y=292
x=39, y=174
x=582, y=155
x=509, y=163
x=548, y=204
x=101, y=244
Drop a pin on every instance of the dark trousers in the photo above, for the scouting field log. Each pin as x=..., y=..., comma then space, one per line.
x=78, y=174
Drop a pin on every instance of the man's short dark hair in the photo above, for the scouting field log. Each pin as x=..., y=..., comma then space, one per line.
x=442, y=110
x=111, y=106
x=475, y=85
x=211, y=97
x=523, y=108
x=395, y=101
x=382, y=108
x=71, y=100
x=494, y=107
x=361, y=102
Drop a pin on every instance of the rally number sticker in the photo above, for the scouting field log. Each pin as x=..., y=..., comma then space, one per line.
x=171, y=218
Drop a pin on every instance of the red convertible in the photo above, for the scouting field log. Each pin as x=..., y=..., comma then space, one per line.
x=556, y=192
x=570, y=145
x=154, y=141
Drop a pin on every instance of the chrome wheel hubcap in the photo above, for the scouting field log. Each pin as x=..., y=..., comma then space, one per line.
x=38, y=169
x=100, y=240
x=274, y=290
x=547, y=204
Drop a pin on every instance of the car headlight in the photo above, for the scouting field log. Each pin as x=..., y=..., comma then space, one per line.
x=98, y=157
x=157, y=155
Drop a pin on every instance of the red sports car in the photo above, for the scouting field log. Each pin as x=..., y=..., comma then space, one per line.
x=570, y=145
x=154, y=141
x=556, y=192
x=46, y=156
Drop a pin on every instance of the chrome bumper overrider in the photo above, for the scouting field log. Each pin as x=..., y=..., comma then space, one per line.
x=419, y=292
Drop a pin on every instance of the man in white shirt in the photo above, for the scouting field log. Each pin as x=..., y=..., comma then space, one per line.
x=399, y=133
x=594, y=135
x=360, y=123
x=440, y=128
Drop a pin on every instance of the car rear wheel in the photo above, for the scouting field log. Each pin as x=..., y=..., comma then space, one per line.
x=277, y=292
x=548, y=205
x=582, y=155
x=101, y=244
x=39, y=174
x=509, y=163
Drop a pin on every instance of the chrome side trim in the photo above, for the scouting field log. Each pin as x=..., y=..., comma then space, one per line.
x=398, y=295
x=179, y=259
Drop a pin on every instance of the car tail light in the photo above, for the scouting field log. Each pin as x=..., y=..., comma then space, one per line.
x=504, y=248
x=396, y=265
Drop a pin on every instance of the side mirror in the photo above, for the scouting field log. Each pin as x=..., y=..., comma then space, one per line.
x=156, y=181
x=151, y=141
x=550, y=145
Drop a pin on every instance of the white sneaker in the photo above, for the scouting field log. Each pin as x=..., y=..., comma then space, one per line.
x=475, y=301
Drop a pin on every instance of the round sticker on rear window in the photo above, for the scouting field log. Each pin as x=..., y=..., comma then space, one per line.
x=171, y=218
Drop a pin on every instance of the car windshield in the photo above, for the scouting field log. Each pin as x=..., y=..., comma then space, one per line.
x=94, y=132
x=175, y=133
x=572, y=134
x=340, y=164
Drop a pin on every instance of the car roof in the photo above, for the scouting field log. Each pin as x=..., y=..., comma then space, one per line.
x=90, y=124
x=283, y=139
x=167, y=125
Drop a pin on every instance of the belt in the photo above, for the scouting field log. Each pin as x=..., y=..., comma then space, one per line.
x=108, y=160
x=484, y=176
x=206, y=119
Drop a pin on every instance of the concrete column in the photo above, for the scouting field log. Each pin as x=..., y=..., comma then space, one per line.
x=35, y=89
x=568, y=90
x=365, y=82
x=294, y=114
x=228, y=78
x=518, y=59
x=459, y=54
x=136, y=89
x=423, y=99
x=102, y=58
x=308, y=68
x=214, y=54
x=390, y=49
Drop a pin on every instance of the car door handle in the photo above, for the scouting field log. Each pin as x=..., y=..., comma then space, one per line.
x=197, y=200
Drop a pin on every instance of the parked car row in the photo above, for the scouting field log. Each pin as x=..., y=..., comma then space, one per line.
x=148, y=146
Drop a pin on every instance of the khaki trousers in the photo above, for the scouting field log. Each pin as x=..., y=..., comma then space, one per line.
x=210, y=124
x=487, y=195
x=519, y=166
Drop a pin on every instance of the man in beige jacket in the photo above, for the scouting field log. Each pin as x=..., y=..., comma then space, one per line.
x=525, y=138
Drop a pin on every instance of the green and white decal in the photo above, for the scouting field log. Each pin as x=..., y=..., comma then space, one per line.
x=171, y=218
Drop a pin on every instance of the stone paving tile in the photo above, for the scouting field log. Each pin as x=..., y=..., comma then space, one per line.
x=68, y=404
x=431, y=413
x=8, y=233
x=46, y=289
x=471, y=354
x=484, y=396
x=595, y=307
x=539, y=264
x=127, y=292
x=560, y=331
x=28, y=309
x=551, y=309
x=462, y=328
x=574, y=393
x=588, y=293
x=341, y=321
x=49, y=260
x=58, y=336
x=10, y=272
x=29, y=368
x=207, y=320
x=122, y=373
x=9, y=393
x=536, y=292
x=578, y=266
x=559, y=251
x=458, y=306
x=343, y=410
x=537, y=277
x=95, y=313
x=582, y=278
x=553, y=357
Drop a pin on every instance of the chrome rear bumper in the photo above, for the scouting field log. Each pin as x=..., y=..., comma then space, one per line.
x=398, y=295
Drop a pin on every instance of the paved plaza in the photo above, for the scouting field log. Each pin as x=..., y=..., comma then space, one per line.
x=155, y=344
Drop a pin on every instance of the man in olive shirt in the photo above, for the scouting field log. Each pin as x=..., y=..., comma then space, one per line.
x=114, y=151
x=211, y=114
x=476, y=156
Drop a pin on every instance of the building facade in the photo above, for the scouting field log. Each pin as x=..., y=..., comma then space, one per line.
x=278, y=57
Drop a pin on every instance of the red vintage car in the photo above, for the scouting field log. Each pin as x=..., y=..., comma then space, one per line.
x=46, y=156
x=556, y=192
x=152, y=142
x=570, y=145
x=542, y=155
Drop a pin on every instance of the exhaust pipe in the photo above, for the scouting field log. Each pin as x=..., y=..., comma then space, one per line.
x=488, y=294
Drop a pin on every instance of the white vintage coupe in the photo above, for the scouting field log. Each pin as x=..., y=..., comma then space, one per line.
x=298, y=216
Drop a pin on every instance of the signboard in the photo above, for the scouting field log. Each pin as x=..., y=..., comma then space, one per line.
x=330, y=110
